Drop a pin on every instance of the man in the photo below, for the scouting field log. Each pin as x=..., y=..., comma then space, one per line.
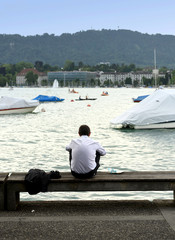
x=84, y=154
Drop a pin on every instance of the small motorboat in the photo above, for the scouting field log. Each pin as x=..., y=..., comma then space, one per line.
x=105, y=94
x=139, y=98
x=72, y=91
x=45, y=98
x=82, y=99
x=10, y=105
x=156, y=111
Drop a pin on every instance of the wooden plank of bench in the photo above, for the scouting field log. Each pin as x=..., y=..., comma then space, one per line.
x=103, y=181
x=3, y=178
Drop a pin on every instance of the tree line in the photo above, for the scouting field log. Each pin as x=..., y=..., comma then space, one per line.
x=8, y=72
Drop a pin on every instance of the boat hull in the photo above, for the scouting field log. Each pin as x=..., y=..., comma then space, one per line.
x=83, y=99
x=17, y=110
x=165, y=125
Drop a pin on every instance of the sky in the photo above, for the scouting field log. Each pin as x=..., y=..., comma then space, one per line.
x=31, y=17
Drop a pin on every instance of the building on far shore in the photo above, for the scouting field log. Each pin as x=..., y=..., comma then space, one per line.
x=121, y=77
x=70, y=77
x=21, y=80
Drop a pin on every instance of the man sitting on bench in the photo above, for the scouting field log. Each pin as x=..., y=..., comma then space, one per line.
x=84, y=154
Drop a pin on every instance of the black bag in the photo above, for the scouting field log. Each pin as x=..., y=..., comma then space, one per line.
x=36, y=181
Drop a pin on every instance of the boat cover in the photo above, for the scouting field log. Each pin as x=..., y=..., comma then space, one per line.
x=159, y=107
x=140, y=98
x=11, y=102
x=45, y=98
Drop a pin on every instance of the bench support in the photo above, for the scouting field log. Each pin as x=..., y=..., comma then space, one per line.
x=3, y=179
x=13, y=195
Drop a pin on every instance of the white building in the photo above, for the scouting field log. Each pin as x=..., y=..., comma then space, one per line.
x=121, y=77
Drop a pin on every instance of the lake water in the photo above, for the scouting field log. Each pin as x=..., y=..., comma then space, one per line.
x=38, y=140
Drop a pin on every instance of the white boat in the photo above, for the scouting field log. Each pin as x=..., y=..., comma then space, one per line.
x=157, y=111
x=10, y=105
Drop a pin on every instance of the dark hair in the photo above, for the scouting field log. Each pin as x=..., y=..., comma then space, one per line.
x=84, y=130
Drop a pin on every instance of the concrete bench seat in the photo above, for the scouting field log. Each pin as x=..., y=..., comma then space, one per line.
x=3, y=178
x=103, y=181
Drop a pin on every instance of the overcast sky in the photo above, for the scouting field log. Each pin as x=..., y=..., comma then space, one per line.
x=31, y=17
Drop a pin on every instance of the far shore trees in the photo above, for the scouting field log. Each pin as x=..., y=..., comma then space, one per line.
x=8, y=74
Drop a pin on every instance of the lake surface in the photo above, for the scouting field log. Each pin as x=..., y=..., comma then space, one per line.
x=38, y=140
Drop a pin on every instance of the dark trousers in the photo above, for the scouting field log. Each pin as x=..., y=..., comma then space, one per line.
x=89, y=174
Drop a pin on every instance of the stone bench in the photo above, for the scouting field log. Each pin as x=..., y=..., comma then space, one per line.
x=3, y=178
x=103, y=181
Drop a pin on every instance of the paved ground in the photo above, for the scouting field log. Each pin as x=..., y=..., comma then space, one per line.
x=103, y=220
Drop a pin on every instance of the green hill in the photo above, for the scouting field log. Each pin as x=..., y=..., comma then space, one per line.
x=90, y=47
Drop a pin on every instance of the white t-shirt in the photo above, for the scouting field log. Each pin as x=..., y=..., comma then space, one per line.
x=84, y=153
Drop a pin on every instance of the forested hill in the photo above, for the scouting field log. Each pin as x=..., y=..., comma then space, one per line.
x=90, y=47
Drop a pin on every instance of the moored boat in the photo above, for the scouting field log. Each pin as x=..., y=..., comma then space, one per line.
x=139, y=98
x=10, y=105
x=156, y=111
x=45, y=98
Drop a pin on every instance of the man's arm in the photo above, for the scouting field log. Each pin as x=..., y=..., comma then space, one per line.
x=101, y=150
x=68, y=148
